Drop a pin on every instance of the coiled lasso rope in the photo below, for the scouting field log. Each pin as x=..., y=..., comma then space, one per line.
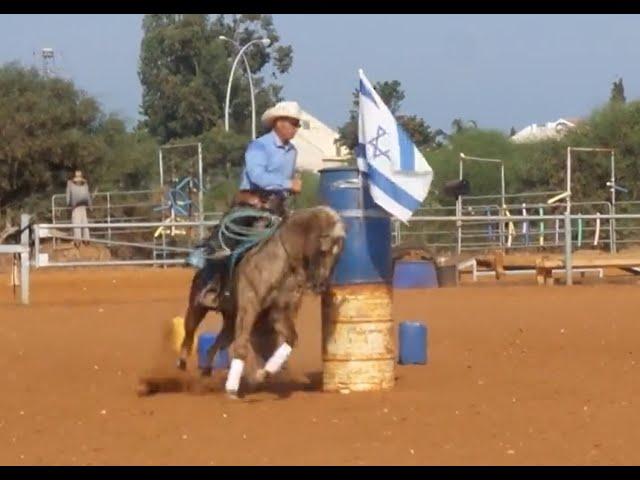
x=233, y=228
x=236, y=237
x=248, y=236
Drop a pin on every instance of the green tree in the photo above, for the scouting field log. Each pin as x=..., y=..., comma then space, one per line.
x=617, y=92
x=540, y=166
x=130, y=161
x=483, y=177
x=458, y=125
x=49, y=128
x=184, y=68
x=391, y=93
x=421, y=133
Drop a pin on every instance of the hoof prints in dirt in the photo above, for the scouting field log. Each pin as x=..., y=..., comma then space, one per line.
x=283, y=387
x=177, y=383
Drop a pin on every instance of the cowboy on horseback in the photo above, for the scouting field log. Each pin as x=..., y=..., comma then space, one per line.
x=268, y=179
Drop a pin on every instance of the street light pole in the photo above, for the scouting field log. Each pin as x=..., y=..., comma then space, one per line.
x=265, y=42
x=253, y=101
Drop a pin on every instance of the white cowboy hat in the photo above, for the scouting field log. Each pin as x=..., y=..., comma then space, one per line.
x=77, y=176
x=282, y=109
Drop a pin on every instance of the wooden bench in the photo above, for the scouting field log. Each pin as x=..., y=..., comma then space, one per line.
x=545, y=266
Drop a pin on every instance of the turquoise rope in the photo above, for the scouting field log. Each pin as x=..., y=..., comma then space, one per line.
x=230, y=230
x=248, y=236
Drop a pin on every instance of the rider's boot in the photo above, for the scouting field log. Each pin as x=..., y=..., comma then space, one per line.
x=209, y=296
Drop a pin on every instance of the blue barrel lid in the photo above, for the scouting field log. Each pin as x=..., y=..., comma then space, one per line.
x=413, y=323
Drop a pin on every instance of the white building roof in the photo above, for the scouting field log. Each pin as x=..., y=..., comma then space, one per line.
x=315, y=142
x=536, y=132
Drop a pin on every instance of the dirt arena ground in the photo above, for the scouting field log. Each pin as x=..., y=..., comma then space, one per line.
x=517, y=374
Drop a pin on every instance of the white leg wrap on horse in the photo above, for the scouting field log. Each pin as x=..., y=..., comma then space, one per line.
x=235, y=373
x=278, y=358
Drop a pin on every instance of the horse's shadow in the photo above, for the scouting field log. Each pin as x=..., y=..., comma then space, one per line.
x=182, y=382
x=284, y=388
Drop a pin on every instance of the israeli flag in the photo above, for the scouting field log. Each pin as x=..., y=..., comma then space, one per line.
x=399, y=176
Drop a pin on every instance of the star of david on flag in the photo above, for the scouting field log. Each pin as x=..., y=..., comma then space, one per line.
x=399, y=176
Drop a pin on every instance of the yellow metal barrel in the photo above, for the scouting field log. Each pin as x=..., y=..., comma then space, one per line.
x=358, y=345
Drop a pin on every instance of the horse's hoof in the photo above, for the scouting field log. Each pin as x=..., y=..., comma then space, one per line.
x=181, y=364
x=206, y=372
x=233, y=394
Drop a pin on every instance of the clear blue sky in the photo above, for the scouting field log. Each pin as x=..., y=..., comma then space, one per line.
x=500, y=70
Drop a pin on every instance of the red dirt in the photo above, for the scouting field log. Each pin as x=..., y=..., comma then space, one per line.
x=516, y=375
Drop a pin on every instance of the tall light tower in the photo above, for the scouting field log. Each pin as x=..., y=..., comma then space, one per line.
x=48, y=62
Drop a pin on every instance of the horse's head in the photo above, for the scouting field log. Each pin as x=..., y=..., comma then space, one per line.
x=320, y=241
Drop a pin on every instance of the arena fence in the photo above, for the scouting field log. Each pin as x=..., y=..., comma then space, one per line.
x=163, y=243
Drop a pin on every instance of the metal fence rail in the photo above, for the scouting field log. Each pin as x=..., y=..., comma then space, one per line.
x=156, y=243
x=479, y=231
x=545, y=231
x=20, y=251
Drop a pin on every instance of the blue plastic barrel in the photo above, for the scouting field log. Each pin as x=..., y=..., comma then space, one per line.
x=415, y=274
x=413, y=343
x=366, y=257
x=205, y=341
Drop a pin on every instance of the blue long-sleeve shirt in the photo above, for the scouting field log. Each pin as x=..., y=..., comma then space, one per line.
x=269, y=164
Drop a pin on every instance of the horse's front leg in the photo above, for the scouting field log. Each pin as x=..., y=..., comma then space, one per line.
x=287, y=338
x=241, y=346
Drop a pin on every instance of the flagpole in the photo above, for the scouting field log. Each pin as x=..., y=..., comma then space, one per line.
x=361, y=196
x=360, y=176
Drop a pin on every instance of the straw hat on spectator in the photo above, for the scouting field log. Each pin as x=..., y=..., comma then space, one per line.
x=77, y=177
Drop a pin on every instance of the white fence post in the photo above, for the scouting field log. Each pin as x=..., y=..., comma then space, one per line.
x=24, y=259
x=568, y=261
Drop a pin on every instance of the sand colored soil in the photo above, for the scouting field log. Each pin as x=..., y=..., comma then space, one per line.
x=517, y=374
